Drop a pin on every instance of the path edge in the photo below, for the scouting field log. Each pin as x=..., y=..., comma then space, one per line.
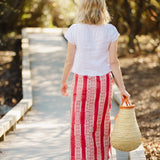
x=11, y=118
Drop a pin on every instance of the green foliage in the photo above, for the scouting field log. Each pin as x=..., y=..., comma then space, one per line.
x=131, y=17
x=15, y=14
x=65, y=12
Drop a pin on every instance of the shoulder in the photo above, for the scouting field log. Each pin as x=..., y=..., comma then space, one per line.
x=74, y=26
x=113, y=32
x=112, y=29
x=111, y=26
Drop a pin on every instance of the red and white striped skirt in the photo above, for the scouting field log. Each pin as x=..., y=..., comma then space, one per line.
x=90, y=117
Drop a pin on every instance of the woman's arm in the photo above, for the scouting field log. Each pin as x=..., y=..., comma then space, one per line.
x=116, y=70
x=67, y=68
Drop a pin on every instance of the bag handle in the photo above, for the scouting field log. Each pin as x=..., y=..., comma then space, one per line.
x=125, y=99
x=128, y=103
x=129, y=106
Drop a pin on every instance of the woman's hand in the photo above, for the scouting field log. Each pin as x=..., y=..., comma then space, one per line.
x=64, y=89
x=124, y=94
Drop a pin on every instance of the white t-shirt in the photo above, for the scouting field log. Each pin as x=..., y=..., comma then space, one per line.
x=92, y=43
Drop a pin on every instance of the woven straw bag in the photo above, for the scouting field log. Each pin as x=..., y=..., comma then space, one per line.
x=126, y=135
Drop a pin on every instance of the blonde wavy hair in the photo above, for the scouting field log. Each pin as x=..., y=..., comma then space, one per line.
x=93, y=12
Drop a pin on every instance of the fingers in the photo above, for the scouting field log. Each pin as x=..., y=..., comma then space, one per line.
x=128, y=95
x=125, y=95
x=64, y=91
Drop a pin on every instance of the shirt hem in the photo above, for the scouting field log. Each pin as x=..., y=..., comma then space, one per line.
x=86, y=74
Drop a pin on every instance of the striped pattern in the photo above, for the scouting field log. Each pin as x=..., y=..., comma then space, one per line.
x=90, y=117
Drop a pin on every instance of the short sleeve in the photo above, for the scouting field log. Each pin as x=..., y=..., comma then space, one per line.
x=69, y=35
x=115, y=34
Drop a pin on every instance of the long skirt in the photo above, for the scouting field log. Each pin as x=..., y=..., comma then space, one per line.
x=90, y=117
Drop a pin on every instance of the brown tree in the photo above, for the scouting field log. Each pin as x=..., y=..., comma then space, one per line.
x=136, y=17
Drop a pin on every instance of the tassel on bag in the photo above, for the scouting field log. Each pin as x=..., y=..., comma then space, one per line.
x=126, y=135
